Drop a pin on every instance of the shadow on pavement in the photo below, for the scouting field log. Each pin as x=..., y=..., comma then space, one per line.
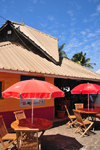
x=59, y=142
x=97, y=125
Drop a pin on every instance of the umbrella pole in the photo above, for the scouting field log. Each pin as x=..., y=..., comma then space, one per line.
x=88, y=101
x=32, y=109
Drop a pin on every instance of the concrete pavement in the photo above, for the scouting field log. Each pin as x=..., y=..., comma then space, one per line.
x=91, y=142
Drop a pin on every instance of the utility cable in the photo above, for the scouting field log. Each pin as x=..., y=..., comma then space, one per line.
x=3, y=18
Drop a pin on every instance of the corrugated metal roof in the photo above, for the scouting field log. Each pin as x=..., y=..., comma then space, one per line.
x=15, y=57
x=48, y=43
x=98, y=71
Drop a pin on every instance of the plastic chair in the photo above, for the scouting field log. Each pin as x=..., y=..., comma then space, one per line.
x=84, y=125
x=4, y=135
x=78, y=105
x=72, y=119
x=27, y=141
x=20, y=115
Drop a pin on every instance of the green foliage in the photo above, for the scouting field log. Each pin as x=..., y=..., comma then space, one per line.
x=80, y=58
x=62, y=53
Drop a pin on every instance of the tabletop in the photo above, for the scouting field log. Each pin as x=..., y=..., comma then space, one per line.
x=89, y=111
x=40, y=123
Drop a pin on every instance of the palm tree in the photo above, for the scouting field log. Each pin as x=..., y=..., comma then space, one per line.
x=62, y=53
x=81, y=59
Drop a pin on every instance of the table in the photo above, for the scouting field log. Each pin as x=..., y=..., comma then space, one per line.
x=90, y=112
x=40, y=123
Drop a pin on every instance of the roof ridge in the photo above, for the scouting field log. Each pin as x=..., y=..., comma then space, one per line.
x=42, y=32
x=5, y=43
x=43, y=48
x=16, y=23
x=33, y=29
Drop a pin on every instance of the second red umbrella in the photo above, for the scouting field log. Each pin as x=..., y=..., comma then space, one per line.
x=86, y=88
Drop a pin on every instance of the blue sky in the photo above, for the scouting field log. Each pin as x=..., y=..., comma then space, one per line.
x=74, y=22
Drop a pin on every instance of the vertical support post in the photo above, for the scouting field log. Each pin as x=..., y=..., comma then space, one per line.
x=32, y=109
x=88, y=101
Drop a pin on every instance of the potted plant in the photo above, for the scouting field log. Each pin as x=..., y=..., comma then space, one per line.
x=61, y=108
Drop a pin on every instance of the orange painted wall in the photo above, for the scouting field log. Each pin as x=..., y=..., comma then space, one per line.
x=51, y=101
x=12, y=104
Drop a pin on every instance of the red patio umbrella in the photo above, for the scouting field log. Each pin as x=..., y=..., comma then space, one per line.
x=30, y=89
x=86, y=88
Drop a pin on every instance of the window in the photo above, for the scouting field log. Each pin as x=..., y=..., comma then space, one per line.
x=23, y=77
x=0, y=89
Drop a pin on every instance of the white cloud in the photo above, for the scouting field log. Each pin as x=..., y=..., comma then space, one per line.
x=73, y=19
x=51, y=18
x=88, y=30
x=94, y=14
x=98, y=8
x=93, y=0
x=98, y=31
x=91, y=35
x=62, y=37
x=63, y=25
x=93, y=44
x=70, y=13
x=43, y=25
x=83, y=32
x=73, y=23
x=85, y=20
x=4, y=10
x=96, y=44
x=87, y=48
x=34, y=1
x=97, y=11
x=42, y=1
x=55, y=31
x=78, y=7
x=30, y=9
x=73, y=43
x=80, y=43
x=95, y=34
x=72, y=31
